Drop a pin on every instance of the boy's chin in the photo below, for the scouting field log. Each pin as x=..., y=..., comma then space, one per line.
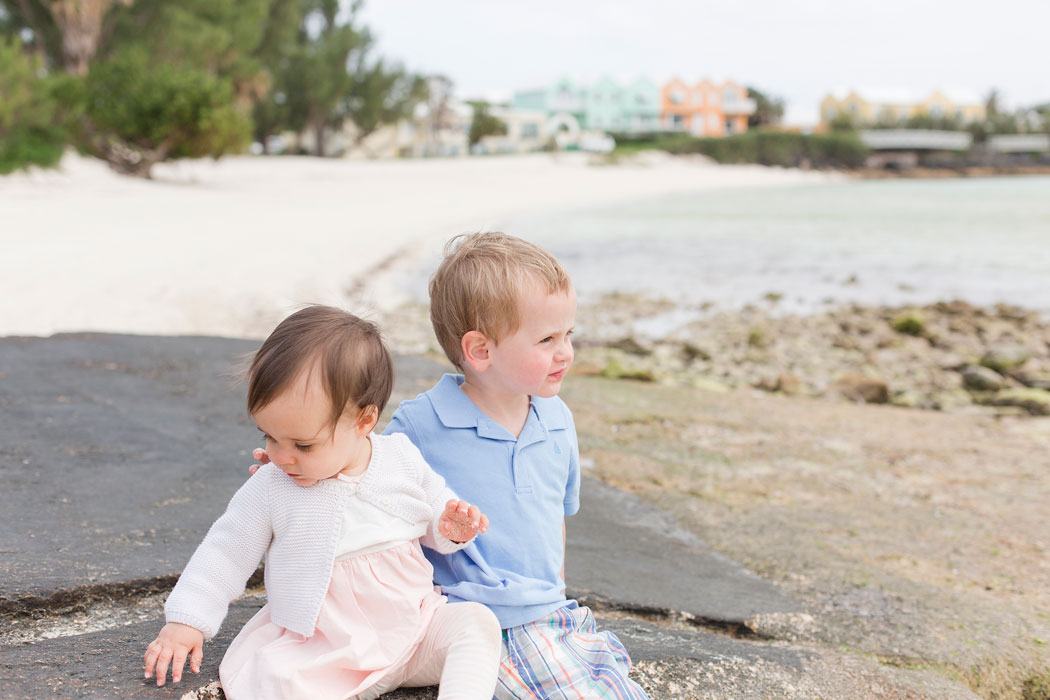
x=548, y=389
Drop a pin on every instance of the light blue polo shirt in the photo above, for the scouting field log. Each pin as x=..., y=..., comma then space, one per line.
x=525, y=485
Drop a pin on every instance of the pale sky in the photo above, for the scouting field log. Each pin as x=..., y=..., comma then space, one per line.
x=796, y=49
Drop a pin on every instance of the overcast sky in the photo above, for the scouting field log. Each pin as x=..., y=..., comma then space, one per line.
x=796, y=49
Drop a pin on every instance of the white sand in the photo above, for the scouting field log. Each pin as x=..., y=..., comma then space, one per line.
x=228, y=248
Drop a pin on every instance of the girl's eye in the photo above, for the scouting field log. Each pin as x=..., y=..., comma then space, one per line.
x=303, y=448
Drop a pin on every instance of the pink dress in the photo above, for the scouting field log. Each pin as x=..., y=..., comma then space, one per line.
x=379, y=603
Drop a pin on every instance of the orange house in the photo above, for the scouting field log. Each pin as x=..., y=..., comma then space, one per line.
x=705, y=108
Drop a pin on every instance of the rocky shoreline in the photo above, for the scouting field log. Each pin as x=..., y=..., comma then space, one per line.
x=947, y=356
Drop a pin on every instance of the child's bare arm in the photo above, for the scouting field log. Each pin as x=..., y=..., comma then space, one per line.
x=172, y=645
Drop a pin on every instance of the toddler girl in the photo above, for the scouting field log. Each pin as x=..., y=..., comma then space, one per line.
x=340, y=514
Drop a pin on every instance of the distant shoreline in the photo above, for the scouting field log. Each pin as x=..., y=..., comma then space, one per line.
x=228, y=248
x=923, y=173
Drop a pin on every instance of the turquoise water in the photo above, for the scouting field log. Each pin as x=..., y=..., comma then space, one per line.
x=885, y=242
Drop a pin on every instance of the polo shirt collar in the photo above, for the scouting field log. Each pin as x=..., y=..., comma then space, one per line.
x=455, y=410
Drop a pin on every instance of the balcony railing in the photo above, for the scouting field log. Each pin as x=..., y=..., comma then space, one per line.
x=739, y=106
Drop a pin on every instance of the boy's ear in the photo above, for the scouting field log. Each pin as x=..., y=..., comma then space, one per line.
x=475, y=346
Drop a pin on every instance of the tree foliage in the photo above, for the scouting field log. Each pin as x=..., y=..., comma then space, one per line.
x=769, y=110
x=484, y=123
x=33, y=124
x=325, y=75
x=835, y=150
x=139, y=112
x=67, y=32
x=152, y=80
x=175, y=80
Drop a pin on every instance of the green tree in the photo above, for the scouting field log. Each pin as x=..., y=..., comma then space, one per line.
x=843, y=122
x=139, y=112
x=67, y=32
x=221, y=37
x=175, y=80
x=270, y=112
x=329, y=76
x=768, y=110
x=33, y=125
x=382, y=94
x=484, y=124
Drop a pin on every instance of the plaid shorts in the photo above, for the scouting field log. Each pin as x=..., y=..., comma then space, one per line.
x=563, y=656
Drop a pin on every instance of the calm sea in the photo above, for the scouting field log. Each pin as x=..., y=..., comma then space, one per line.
x=884, y=242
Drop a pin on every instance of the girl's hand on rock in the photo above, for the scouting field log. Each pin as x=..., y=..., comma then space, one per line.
x=172, y=645
x=460, y=522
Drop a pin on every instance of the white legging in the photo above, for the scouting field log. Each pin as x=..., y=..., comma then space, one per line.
x=460, y=652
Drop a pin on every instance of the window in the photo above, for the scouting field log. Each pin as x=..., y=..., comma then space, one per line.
x=677, y=121
x=677, y=96
x=730, y=94
x=530, y=130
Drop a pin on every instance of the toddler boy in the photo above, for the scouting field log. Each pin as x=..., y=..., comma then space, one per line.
x=503, y=310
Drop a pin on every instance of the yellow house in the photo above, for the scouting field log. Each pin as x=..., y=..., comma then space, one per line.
x=868, y=107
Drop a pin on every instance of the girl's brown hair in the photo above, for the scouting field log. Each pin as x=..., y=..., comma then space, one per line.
x=349, y=352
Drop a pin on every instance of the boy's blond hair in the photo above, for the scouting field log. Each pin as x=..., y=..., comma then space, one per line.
x=480, y=283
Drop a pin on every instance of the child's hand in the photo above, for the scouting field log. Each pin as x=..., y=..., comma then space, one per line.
x=171, y=646
x=259, y=455
x=461, y=521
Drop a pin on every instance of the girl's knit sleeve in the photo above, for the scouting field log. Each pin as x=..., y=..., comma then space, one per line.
x=231, y=551
x=437, y=495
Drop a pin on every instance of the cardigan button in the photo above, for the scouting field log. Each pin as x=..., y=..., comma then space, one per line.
x=386, y=501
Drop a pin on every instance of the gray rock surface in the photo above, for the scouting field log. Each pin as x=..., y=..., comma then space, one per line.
x=117, y=453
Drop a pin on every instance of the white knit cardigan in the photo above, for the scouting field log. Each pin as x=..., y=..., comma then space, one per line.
x=297, y=529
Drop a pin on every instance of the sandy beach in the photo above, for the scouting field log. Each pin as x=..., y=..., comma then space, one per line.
x=227, y=248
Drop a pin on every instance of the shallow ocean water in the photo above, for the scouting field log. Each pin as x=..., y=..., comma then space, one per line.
x=875, y=242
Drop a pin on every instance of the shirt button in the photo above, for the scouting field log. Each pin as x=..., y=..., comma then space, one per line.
x=386, y=501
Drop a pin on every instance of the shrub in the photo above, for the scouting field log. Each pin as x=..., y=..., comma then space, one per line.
x=909, y=323
x=834, y=150
x=33, y=124
x=139, y=112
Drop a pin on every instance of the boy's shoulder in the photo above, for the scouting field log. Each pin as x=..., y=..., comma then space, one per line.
x=442, y=404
